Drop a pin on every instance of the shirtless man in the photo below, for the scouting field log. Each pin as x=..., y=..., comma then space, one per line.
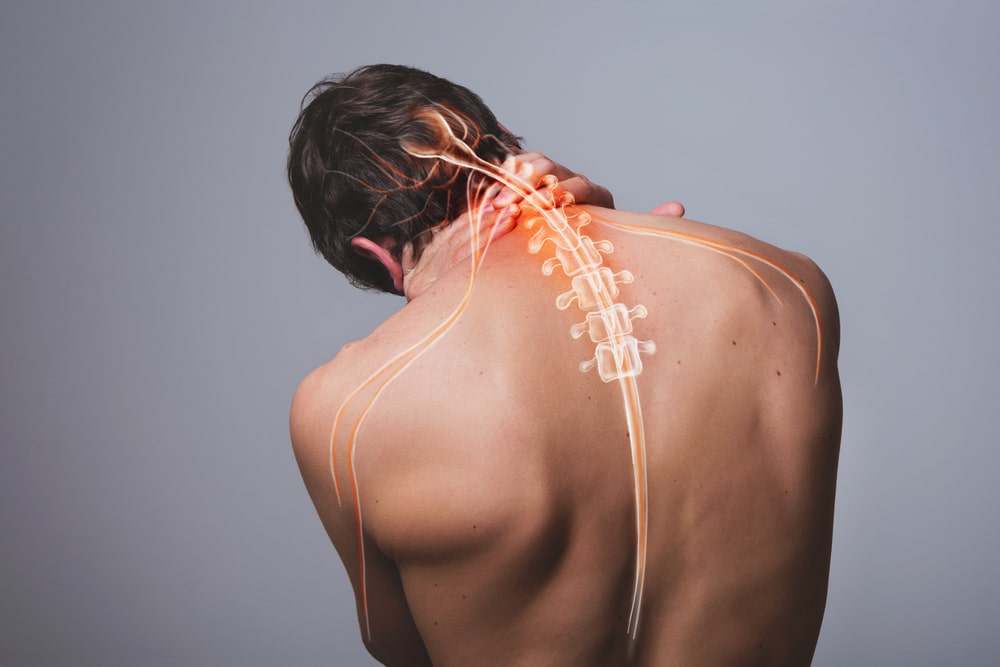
x=485, y=505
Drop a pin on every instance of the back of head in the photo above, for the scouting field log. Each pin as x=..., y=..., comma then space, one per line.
x=351, y=175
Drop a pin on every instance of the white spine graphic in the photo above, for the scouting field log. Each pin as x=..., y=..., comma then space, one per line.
x=609, y=325
x=594, y=285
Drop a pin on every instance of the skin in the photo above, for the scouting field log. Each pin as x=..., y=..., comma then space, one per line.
x=497, y=487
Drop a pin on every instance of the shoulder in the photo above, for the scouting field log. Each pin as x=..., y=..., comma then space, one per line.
x=332, y=386
x=322, y=400
x=786, y=278
x=326, y=400
x=311, y=417
x=412, y=443
x=821, y=289
x=731, y=257
x=319, y=392
x=727, y=285
x=306, y=401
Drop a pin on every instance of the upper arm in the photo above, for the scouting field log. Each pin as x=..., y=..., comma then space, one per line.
x=393, y=639
x=310, y=417
x=821, y=291
x=309, y=426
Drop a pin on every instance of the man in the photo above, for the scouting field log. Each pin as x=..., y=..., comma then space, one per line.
x=481, y=490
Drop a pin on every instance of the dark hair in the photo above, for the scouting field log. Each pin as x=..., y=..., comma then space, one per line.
x=351, y=175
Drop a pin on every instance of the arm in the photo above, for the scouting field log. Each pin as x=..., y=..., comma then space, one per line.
x=314, y=405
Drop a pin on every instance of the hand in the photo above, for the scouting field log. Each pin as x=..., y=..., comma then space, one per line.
x=584, y=190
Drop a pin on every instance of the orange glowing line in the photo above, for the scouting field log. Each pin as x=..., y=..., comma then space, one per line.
x=388, y=167
x=388, y=170
x=391, y=370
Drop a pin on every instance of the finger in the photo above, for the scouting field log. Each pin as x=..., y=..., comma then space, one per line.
x=506, y=222
x=506, y=198
x=674, y=208
x=408, y=259
x=521, y=179
x=585, y=191
x=538, y=171
x=543, y=165
x=519, y=170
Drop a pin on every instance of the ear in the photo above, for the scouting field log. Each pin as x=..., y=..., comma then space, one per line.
x=372, y=250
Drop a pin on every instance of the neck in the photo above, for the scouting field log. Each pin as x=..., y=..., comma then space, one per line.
x=466, y=237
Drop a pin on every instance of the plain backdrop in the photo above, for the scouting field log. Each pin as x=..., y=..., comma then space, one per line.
x=159, y=299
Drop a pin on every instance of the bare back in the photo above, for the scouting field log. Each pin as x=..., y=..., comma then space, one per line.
x=495, y=482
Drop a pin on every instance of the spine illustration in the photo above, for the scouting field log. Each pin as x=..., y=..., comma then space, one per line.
x=593, y=286
x=616, y=356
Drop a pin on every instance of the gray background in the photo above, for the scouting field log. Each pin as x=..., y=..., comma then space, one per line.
x=159, y=300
